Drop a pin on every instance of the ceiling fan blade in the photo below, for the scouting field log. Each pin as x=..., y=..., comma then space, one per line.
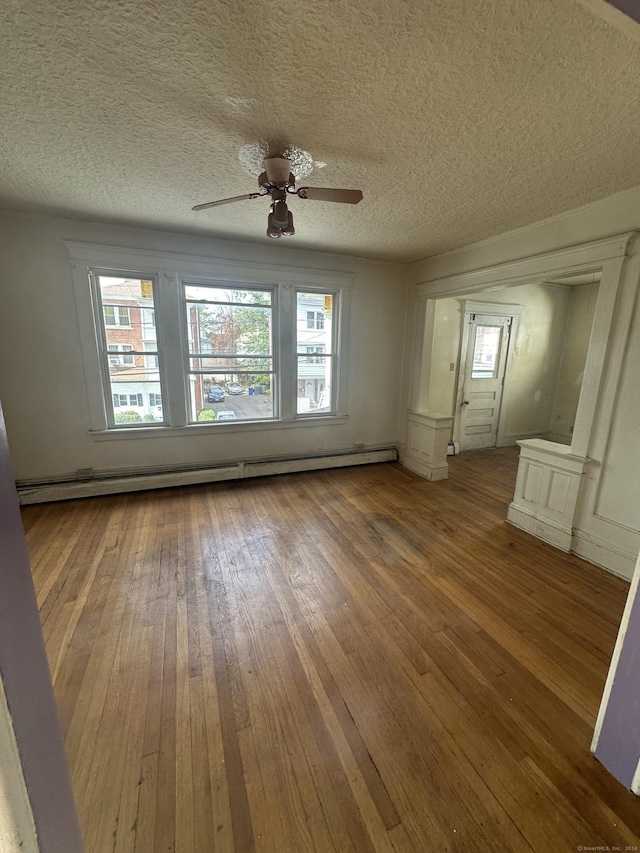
x=227, y=201
x=326, y=194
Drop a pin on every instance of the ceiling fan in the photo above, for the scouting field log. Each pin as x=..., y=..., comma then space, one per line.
x=278, y=181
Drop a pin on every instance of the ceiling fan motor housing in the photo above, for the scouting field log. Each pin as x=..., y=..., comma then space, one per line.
x=278, y=171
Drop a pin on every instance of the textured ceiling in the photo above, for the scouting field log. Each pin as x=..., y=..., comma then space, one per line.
x=458, y=119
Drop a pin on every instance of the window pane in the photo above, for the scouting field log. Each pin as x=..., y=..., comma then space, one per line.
x=229, y=329
x=129, y=314
x=314, y=385
x=314, y=346
x=486, y=352
x=231, y=397
x=198, y=293
x=230, y=348
x=314, y=321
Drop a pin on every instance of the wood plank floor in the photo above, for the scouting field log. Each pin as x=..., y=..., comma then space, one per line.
x=350, y=660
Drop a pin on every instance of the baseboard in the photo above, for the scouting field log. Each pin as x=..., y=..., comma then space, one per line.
x=429, y=472
x=544, y=529
x=162, y=479
x=618, y=561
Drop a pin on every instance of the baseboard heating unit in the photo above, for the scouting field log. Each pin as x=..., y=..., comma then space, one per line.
x=114, y=482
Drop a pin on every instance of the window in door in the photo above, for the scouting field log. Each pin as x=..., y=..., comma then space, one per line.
x=486, y=352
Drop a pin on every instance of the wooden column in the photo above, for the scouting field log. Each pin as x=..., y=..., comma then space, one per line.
x=546, y=494
x=427, y=440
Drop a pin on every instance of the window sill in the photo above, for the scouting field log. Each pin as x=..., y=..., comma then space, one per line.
x=193, y=430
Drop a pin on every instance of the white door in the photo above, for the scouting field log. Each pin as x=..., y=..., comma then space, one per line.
x=488, y=343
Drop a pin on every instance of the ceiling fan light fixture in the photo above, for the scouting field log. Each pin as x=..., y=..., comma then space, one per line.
x=280, y=215
x=272, y=229
x=289, y=231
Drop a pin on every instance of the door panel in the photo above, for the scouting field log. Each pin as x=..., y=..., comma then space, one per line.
x=486, y=357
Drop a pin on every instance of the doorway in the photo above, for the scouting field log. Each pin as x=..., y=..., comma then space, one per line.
x=485, y=349
x=483, y=381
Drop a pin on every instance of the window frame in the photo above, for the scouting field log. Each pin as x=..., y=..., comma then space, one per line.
x=167, y=271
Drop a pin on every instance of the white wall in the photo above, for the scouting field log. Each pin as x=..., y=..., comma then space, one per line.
x=41, y=372
x=447, y=333
x=582, y=304
x=607, y=527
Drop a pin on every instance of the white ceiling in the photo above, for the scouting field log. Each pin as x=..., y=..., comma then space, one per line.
x=458, y=119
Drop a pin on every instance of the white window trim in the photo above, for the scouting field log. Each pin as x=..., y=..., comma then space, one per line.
x=169, y=270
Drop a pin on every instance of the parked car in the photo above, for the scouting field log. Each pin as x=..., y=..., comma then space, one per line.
x=226, y=416
x=215, y=394
x=234, y=388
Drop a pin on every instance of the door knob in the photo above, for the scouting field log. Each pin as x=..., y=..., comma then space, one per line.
x=465, y=403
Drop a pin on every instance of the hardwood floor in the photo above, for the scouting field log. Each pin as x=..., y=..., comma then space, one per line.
x=350, y=660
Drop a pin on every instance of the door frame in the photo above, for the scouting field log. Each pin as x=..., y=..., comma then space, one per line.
x=500, y=309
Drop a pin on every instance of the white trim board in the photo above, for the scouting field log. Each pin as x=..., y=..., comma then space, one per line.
x=583, y=257
x=113, y=257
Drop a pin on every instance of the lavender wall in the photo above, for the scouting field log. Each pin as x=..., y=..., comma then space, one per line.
x=618, y=746
x=629, y=7
x=25, y=672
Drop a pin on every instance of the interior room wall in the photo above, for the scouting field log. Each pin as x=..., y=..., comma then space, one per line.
x=529, y=393
x=582, y=305
x=444, y=353
x=41, y=370
x=607, y=523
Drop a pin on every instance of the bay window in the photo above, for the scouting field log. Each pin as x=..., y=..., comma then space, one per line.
x=180, y=344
